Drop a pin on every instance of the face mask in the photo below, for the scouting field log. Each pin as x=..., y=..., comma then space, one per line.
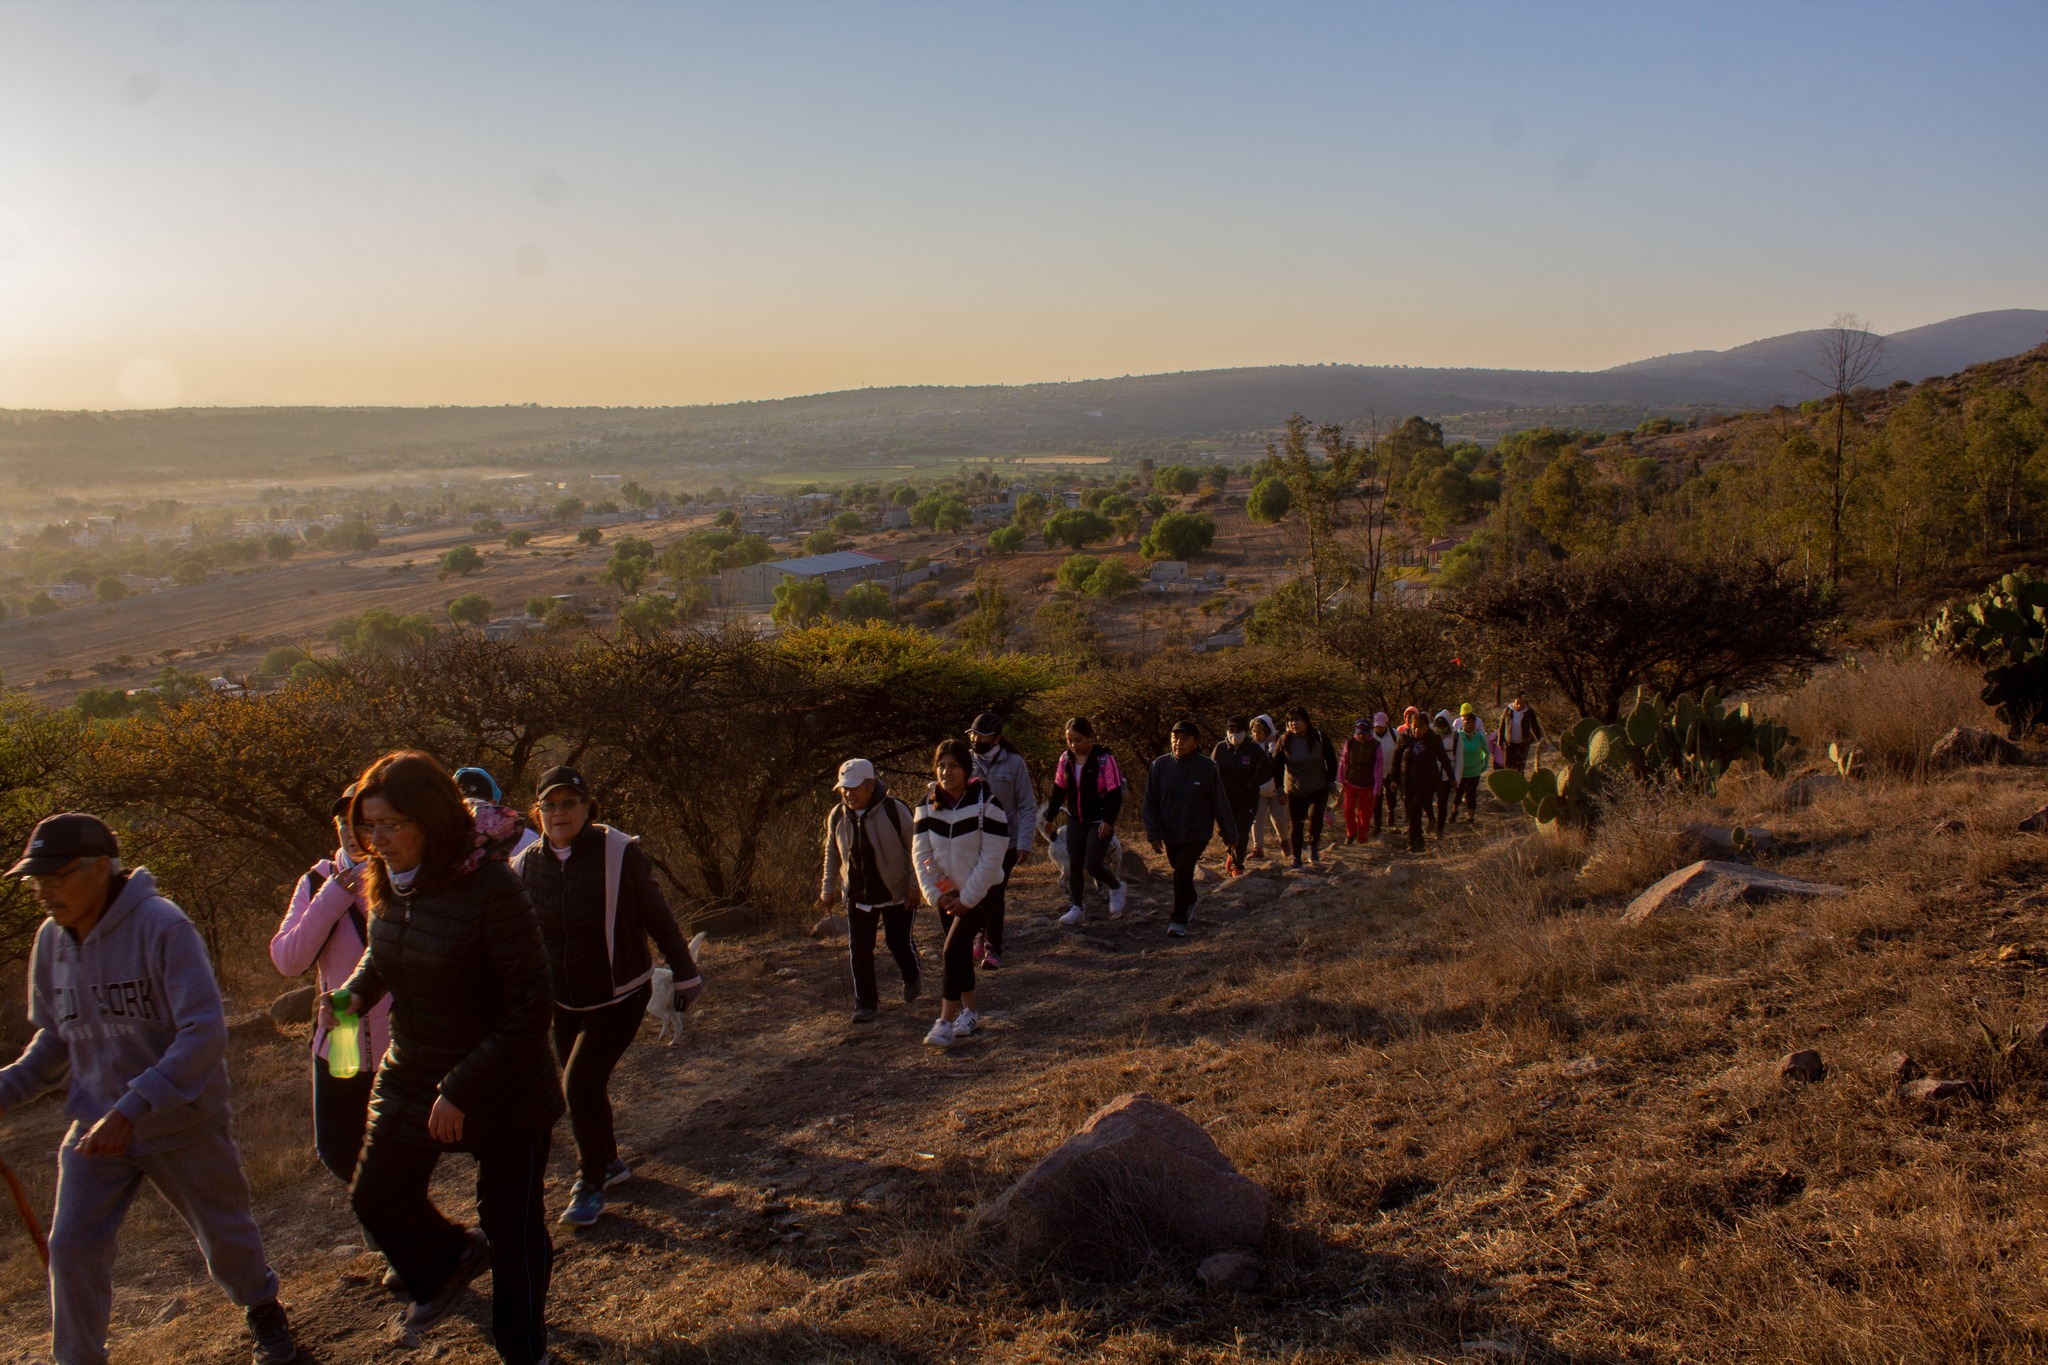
x=1379, y=729
x=1238, y=736
x=982, y=746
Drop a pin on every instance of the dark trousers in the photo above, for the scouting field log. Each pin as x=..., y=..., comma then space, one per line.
x=390, y=1198
x=1443, y=803
x=1518, y=756
x=1244, y=811
x=1087, y=856
x=1305, y=810
x=992, y=906
x=958, y=979
x=1387, y=812
x=588, y=1044
x=1418, y=813
x=894, y=922
x=341, y=1112
x=1468, y=796
x=1182, y=858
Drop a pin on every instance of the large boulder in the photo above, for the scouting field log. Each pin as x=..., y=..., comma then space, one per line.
x=294, y=1006
x=1968, y=747
x=1132, y=867
x=2037, y=823
x=1137, y=1169
x=1714, y=884
x=1720, y=839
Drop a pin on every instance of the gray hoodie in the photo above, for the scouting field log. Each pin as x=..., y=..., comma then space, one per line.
x=1009, y=780
x=131, y=1016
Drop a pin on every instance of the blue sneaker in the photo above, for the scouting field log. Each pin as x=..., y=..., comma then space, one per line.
x=586, y=1204
x=617, y=1173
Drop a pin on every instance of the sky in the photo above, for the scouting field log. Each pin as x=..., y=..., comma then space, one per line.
x=608, y=202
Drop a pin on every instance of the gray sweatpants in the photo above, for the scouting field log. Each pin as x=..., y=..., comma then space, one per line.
x=202, y=1180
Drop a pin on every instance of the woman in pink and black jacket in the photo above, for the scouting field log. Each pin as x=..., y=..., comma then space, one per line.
x=1089, y=784
x=325, y=928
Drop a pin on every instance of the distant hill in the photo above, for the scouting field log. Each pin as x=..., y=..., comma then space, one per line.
x=1775, y=368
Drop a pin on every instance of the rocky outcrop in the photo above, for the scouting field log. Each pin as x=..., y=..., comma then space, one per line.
x=1968, y=747
x=294, y=1006
x=1715, y=884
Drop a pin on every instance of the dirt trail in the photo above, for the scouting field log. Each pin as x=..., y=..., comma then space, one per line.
x=776, y=1149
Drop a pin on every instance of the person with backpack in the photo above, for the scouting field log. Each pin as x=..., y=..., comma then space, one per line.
x=324, y=928
x=1009, y=777
x=501, y=827
x=1307, y=764
x=1358, y=777
x=1271, y=811
x=594, y=892
x=1383, y=808
x=1089, y=785
x=1421, y=767
x=1185, y=805
x=455, y=944
x=1245, y=768
x=869, y=869
x=128, y=1019
x=962, y=836
x=1473, y=761
x=1447, y=737
x=1520, y=730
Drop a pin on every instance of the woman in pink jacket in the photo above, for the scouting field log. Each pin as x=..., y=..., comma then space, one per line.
x=325, y=927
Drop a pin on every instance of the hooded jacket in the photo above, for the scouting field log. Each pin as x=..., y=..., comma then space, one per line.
x=1420, y=764
x=1532, y=728
x=593, y=961
x=1009, y=778
x=1184, y=801
x=1473, y=756
x=470, y=1006
x=1269, y=787
x=960, y=844
x=1093, y=789
x=1244, y=768
x=887, y=825
x=325, y=927
x=131, y=1017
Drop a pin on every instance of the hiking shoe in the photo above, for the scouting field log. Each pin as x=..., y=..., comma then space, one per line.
x=274, y=1344
x=475, y=1258
x=1073, y=915
x=913, y=987
x=395, y=1283
x=586, y=1204
x=991, y=960
x=941, y=1034
x=617, y=1173
x=1315, y=857
x=1116, y=899
x=863, y=1015
x=1297, y=860
x=1176, y=929
x=965, y=1023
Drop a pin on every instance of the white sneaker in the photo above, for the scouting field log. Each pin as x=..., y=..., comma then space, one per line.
x=1073, y=915
x=941, y=1034
x=1116, y=899
x=965, y=1023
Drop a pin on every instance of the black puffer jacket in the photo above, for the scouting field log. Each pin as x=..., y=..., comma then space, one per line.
x=1421, y=765
x=591, y=965
x=470, y=1009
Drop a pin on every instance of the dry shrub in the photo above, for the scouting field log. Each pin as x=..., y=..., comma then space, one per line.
x=1641, y=836
x=1892, y=708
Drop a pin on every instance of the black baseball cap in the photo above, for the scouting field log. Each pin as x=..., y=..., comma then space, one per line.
x=1184, y=726
x=59, y=840
x=562, y=776
x=345, y=800
x=987, y=723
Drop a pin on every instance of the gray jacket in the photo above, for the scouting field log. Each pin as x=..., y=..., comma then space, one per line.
x=890, y=840
x=1009, y=780
x=131, y=1017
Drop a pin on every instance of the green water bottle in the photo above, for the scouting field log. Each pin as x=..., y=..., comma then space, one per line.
x=344, y=1040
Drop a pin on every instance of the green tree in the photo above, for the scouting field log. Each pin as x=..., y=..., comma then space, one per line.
x=1269, y=501
x=42, y=604
x=1177, y=479
x=942, y=512
x=109, y=589
x=1030, y=513
x=518, y=540
x=800, y=601
x=1112, y=578
x=461, y=561
x=470, y=609
x=906, y=496
x=568, y=509
x=357, y=536
x=628, y=568
x=1179, y=535
x=649, y=614
x=1076, y=528
x=539, y=606
x=189, y=572
x=381, y=631
x=846, y=523
x=279, y=662
x=103, y=703
x=821, y=542
x=865, y=602
x=279, y=547
x=590, y=535
x=1006, y=539
x=989, y=627
x=1075, y=570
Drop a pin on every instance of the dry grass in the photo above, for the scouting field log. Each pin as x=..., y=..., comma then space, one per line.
x=1892, y=707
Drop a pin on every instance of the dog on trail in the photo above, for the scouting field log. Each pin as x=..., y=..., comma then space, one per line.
x=661, y=1003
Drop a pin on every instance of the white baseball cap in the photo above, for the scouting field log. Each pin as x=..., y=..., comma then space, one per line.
x=855, y=771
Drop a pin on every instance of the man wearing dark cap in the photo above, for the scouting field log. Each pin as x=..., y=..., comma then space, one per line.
x=126, y=1011
x=1185, y=806
x=1009, y=781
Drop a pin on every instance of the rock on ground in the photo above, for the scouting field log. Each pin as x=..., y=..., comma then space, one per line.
x=1229, y=1272
x=1801, y=791
x=1901, y=1067
x=1714, y=884
x=1967, y=747
x=295, y=1006
x=829, y=928
x=1251, y=889
x=1714, y=839
x=1137, y=1166
x=1804, y=1065
x=1930, y=1088
x=2037, y=823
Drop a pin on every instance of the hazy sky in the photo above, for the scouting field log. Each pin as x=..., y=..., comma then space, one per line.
x=611, y=202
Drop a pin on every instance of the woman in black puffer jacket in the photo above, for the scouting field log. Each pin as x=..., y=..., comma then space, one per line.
x=454, y=942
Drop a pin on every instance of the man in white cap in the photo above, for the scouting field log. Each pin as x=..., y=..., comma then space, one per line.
x=868, y=868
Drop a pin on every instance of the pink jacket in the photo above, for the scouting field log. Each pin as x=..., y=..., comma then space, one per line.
x=317, y=929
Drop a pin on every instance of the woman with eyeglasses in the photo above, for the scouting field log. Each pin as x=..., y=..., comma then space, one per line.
x=598, y=903
x=455, y=946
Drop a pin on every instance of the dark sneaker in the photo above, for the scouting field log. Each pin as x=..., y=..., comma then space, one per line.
x=274, y=1344
x=476, y=1256
x=913, y=988
x=617, y=1173
x=991, y=959
x=1177, y=930
x=586, y=1204
x=862, y=1014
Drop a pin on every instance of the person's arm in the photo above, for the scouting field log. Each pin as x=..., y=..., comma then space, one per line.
x=658, y=922
x=1155, y=823
x=1226, y=818
x=296, y=945
x=988, y=862
x=45, y=1063
x=921, y=855
x=201, y=1042
x=1113, y=799
x=517, y=961
x=1059, y=791
x=1022, y=808
x=828, y=887
x=365, y=984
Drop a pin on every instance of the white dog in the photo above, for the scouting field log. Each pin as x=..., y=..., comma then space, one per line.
x=1058, y=839
x=661, y=1005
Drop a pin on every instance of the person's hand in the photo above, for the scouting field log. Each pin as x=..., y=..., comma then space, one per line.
x=1159, y=845
x=109, y=1137
x=827, y=899
x=444, y=1122
x=327, y=1007
x=949, y=903
x=351, y=878
x=1104, y=829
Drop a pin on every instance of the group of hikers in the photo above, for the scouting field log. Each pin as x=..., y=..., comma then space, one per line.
x=482, y=970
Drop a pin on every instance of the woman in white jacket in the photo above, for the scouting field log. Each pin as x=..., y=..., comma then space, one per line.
x=962, y=833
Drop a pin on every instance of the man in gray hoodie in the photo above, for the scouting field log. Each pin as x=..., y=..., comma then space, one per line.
x=1009, y=781
x=127, y=1012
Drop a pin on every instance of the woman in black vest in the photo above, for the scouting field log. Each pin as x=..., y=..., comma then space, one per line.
x=454, y=944
x=598, y=960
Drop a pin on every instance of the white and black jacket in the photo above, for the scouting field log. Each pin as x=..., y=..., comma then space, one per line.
x=959, y=845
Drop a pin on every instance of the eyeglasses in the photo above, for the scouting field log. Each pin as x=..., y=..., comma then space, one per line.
x=574, y=803
x=384, y=829
x=60, y=875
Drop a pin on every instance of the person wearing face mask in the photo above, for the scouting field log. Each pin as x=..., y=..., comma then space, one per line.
x=1009, y=778
x=1307, y=763
x=1244, y=767
x=1271, y=811
x=1358, y=777
x=1383, y=795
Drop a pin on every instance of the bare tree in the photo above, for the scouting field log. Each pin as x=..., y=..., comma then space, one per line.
x=1849, y=354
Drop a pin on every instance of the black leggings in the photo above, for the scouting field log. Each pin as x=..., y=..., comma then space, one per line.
x=588, y=1044
x=391, y=1200
x=1087, y=856
x=992, y=906
x=1305, y=807
x=1468, y=796
x=894, y=922
x=959, y=952
x=341, y=1112
x=1182, y=858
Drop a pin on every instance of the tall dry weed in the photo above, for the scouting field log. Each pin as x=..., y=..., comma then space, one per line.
x=1892, y=707
x=1641, y=836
